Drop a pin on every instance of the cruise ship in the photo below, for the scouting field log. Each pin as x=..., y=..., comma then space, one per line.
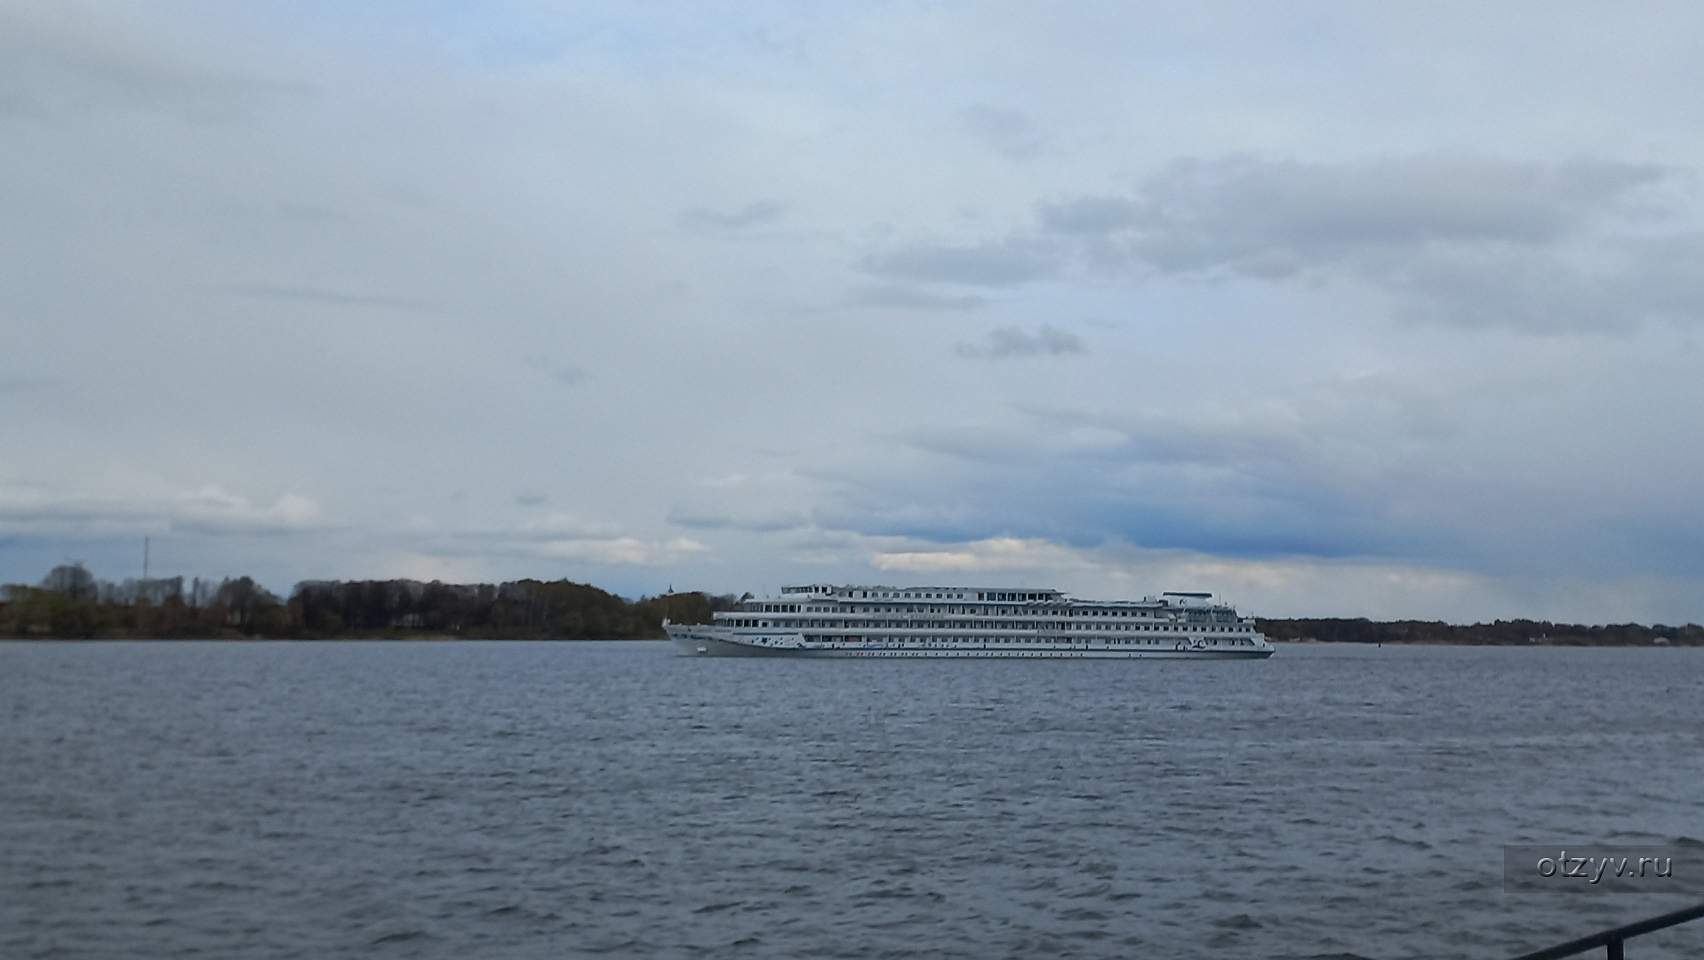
x=826, y=620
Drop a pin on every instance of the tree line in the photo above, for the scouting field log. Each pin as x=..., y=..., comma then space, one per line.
x=1500, y=632
x=71, y=603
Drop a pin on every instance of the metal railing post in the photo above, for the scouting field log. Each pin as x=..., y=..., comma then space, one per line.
x=1614, y=939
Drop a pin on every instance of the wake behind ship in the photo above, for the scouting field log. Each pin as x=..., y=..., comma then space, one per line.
x=825, y=620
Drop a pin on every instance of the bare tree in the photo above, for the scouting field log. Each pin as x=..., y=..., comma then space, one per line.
x=71, y=579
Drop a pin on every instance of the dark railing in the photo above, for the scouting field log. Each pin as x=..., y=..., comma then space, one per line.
x=1613, y=939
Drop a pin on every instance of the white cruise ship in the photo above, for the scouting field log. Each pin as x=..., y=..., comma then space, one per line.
x=824, y=620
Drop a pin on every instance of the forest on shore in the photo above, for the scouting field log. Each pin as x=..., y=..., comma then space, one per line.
x=70, y=603
x=1500, y=632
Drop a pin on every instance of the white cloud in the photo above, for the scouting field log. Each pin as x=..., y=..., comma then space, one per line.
x=997, y=554
x=555, y=537
x=618, y=550
x=212, y=509
x=208, y=510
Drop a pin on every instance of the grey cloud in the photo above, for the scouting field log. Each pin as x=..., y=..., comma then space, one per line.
x=237, y=525
x=752, y=214
x=1461, y=241
x=1365, y=466
x=1251, y=445
x=913, y=298
x=295, y=293
x=1651, y=279
x=1164, y=484
x=1009, y=132
x=1002, y=264
x=1237, y=280
x=1090, y=215
x=1048, y=340
x=768, y=522
x=19, y=383
x=555, y=527
x=59, y=59
x=1241, y=213
x=314, y=213
x=208, y=511
x=530, y=498
x=1666, y=271
x=568, y=375
x=1051, y=433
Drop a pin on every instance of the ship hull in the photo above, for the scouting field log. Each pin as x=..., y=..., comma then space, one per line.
x=698, y=645
x=700, y=641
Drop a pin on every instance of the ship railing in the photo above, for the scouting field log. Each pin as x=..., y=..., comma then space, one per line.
x=1614, y=940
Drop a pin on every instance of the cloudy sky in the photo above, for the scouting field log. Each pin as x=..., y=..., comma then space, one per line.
x=1333, y=309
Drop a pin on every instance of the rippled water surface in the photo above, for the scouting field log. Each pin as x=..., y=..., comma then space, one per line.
x=564, y=800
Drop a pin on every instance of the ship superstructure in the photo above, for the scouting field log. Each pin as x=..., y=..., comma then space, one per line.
x=831, y=620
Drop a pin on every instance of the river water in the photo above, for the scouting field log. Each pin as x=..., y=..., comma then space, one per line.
x=240, y=800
